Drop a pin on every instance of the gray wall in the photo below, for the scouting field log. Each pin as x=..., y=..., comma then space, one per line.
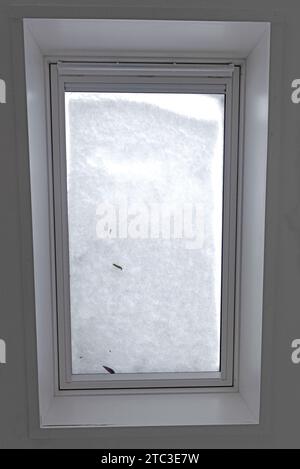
x=280, y=379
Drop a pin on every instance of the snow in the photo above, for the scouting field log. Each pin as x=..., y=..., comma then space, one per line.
x=145, y=295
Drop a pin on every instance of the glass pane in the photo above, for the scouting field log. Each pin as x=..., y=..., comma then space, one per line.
x=145, y=174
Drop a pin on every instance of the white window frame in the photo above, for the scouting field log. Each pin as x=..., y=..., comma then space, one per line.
x=47, y=40
x=152, y=77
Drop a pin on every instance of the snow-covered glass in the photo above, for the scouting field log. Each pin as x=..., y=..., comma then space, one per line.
x=145, y=197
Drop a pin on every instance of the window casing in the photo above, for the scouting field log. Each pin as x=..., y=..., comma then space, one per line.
x=138, y=77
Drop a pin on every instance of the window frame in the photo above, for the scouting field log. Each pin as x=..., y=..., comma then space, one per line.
x=58, y=414
x=65, y=76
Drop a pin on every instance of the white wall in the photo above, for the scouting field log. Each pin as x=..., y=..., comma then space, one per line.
x=253, y=230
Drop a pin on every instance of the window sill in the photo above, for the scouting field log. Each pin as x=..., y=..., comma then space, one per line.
x=148, y=410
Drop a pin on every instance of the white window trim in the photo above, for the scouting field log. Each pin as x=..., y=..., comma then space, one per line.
x=242, y=406
x=188, y=78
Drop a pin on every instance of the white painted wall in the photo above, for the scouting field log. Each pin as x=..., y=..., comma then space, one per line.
x=37, y=131
x=253, y=225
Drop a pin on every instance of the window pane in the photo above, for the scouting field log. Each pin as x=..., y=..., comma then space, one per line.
x=145, y=175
